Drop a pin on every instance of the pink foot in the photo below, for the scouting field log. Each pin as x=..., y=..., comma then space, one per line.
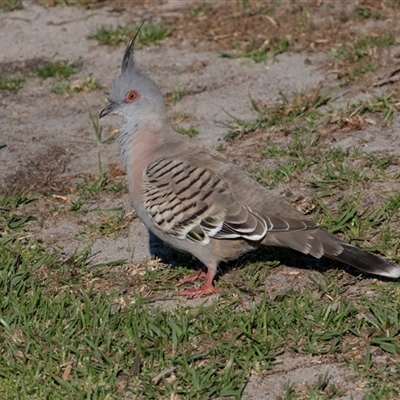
x=194, y=292
x=196, y=275
x=207, y=288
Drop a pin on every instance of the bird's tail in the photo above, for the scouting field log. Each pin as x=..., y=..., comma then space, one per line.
x=366, y=262
x=318, y=243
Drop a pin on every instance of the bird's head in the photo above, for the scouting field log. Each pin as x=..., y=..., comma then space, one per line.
x=133, y=94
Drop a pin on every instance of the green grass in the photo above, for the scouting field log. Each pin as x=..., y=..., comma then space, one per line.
x=360, y=58
x=362, y=13
x=61, y=71
x=308, y=107
x=79, y=86
x=386, y=104
x=93, y=185
x=191, y=131
x=259, y=53
x=10, y=5
x=348, y=219
x=323, y=390
x=11, y=82
x=339, y=166
x=95, y=331
x=200, y=9
x=297, y=156
x=336, y=176
x=55, y=70
x=335, y=173
x=84, y=341
x=177, y=95
x=303, y=105
x=110, y=222
x=75, y=3
x=149, y=33
x=361, y=69
x=360, y=49
x=243, y=3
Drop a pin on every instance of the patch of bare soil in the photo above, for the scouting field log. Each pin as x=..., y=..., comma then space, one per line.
x=43, y=173
x=300, y=373
x=308, y=26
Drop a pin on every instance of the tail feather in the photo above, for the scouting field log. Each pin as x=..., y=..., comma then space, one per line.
x=319, y=243
x=367, y=262
x=356, y=257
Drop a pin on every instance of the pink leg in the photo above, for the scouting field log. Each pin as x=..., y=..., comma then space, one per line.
x=207, y=288
x=192, y=277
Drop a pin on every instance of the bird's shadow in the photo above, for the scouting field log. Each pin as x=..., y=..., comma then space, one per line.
x=285, y=256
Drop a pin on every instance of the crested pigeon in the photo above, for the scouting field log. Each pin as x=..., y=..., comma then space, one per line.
x=197, y=201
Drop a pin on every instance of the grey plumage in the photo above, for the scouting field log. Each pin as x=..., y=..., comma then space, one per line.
x=196, y=201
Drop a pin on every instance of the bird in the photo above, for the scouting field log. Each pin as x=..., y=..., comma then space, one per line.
x=197, y=201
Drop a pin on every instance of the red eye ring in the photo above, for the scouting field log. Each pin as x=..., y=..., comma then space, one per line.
x=131, y=96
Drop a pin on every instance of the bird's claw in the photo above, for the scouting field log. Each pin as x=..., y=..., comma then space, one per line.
x=192, y=277
x=196, y=292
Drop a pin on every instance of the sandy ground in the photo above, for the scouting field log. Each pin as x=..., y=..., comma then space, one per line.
x=50, y=142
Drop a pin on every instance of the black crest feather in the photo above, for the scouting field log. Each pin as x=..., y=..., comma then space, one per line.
x=128, y=56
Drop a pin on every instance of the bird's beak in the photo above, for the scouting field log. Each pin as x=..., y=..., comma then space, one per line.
x=108, y=110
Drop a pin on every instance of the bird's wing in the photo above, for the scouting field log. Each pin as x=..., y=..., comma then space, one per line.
x=194, y=202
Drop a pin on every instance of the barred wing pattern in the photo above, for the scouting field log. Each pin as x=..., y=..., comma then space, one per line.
x=195, y=203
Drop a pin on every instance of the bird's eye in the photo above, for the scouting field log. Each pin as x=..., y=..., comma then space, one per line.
x=131, y=96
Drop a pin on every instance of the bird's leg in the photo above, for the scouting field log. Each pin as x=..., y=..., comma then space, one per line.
x=197, y=274
x=207, y=288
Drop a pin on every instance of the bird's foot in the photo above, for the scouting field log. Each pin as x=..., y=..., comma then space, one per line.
x=196, y=275
x=206, y=289
x=196, y=292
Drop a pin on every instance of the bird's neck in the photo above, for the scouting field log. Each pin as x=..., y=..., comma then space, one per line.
x=139, y=138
